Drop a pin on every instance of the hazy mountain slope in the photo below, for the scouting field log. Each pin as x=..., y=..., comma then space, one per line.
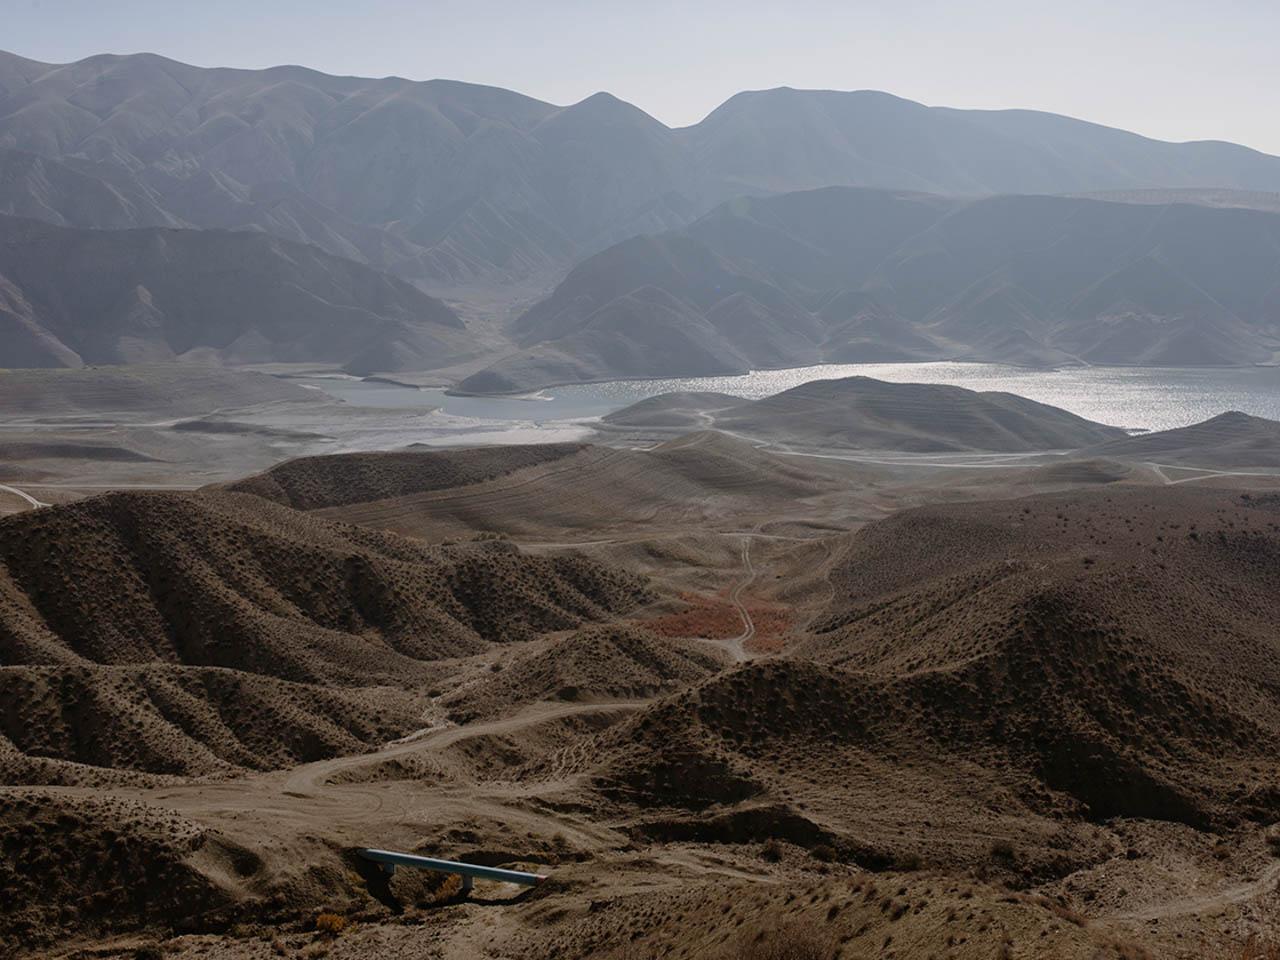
x=846, y=274
x=69, y=297
x=786, y=139
x=453, y=179
x=79, y=194
x=218, y=629
x=447, y=182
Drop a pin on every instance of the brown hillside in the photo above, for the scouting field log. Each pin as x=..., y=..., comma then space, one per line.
x=311, y=483
x=76, y=866
x=703, y=477
x=605, y=662
x=1013, y=669
x=181, y=583
x=1117, y=637
x=1229, y=440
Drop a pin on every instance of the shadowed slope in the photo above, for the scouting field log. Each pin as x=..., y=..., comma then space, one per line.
x=311, y=483
x=156, y=294
x=845, y=275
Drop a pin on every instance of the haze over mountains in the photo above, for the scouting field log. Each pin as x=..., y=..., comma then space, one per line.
x=855, y=275
x=445, y=183
x=69, y=297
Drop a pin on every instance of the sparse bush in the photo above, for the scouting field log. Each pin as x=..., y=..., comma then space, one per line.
x=149, y=952
x=1003, y=850
x=823, y=852
x=771, y=850
x=789, y=941
x=331, y=923
x=441, y=888
x=909, y=861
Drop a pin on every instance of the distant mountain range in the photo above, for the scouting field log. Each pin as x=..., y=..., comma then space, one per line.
x=70, y=297
x=852, y=275
x=233, y=216
x=451, y=184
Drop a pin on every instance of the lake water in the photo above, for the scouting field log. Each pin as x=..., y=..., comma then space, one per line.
x=1136, y=398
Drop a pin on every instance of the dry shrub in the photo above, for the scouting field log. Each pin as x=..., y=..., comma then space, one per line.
x=1003, y=850
x=331, y=923
x=442, y=888
x=716, y=619
x=824, y=852
x=788, y=941
x=771, y=850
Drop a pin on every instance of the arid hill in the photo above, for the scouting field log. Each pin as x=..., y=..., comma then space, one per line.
x=1016, y=669
x=606, y=662
x=152, y=294
x=702, y=478
x=1231, y=440
x=681, y=410
x=312, y=483
x=192, y=632
x=860, y=412
x=1123, y=639
x=856, y=275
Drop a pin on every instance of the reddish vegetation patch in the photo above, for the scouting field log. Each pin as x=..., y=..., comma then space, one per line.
x=772, y=623
x=712, y=617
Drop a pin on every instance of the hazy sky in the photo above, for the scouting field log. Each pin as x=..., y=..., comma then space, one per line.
x=1173, y=69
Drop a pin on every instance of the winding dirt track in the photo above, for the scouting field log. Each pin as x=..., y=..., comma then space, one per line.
x=1213, y=901
x=35, y=504
x=313, y=776
x=737, y=645
x=1205, y=473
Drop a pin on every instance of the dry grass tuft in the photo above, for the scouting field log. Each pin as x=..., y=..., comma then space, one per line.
x=331, y=923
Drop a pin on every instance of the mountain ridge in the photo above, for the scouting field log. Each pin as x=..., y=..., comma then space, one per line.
x=886, y=275
x=156, y=293
x=448, y=183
